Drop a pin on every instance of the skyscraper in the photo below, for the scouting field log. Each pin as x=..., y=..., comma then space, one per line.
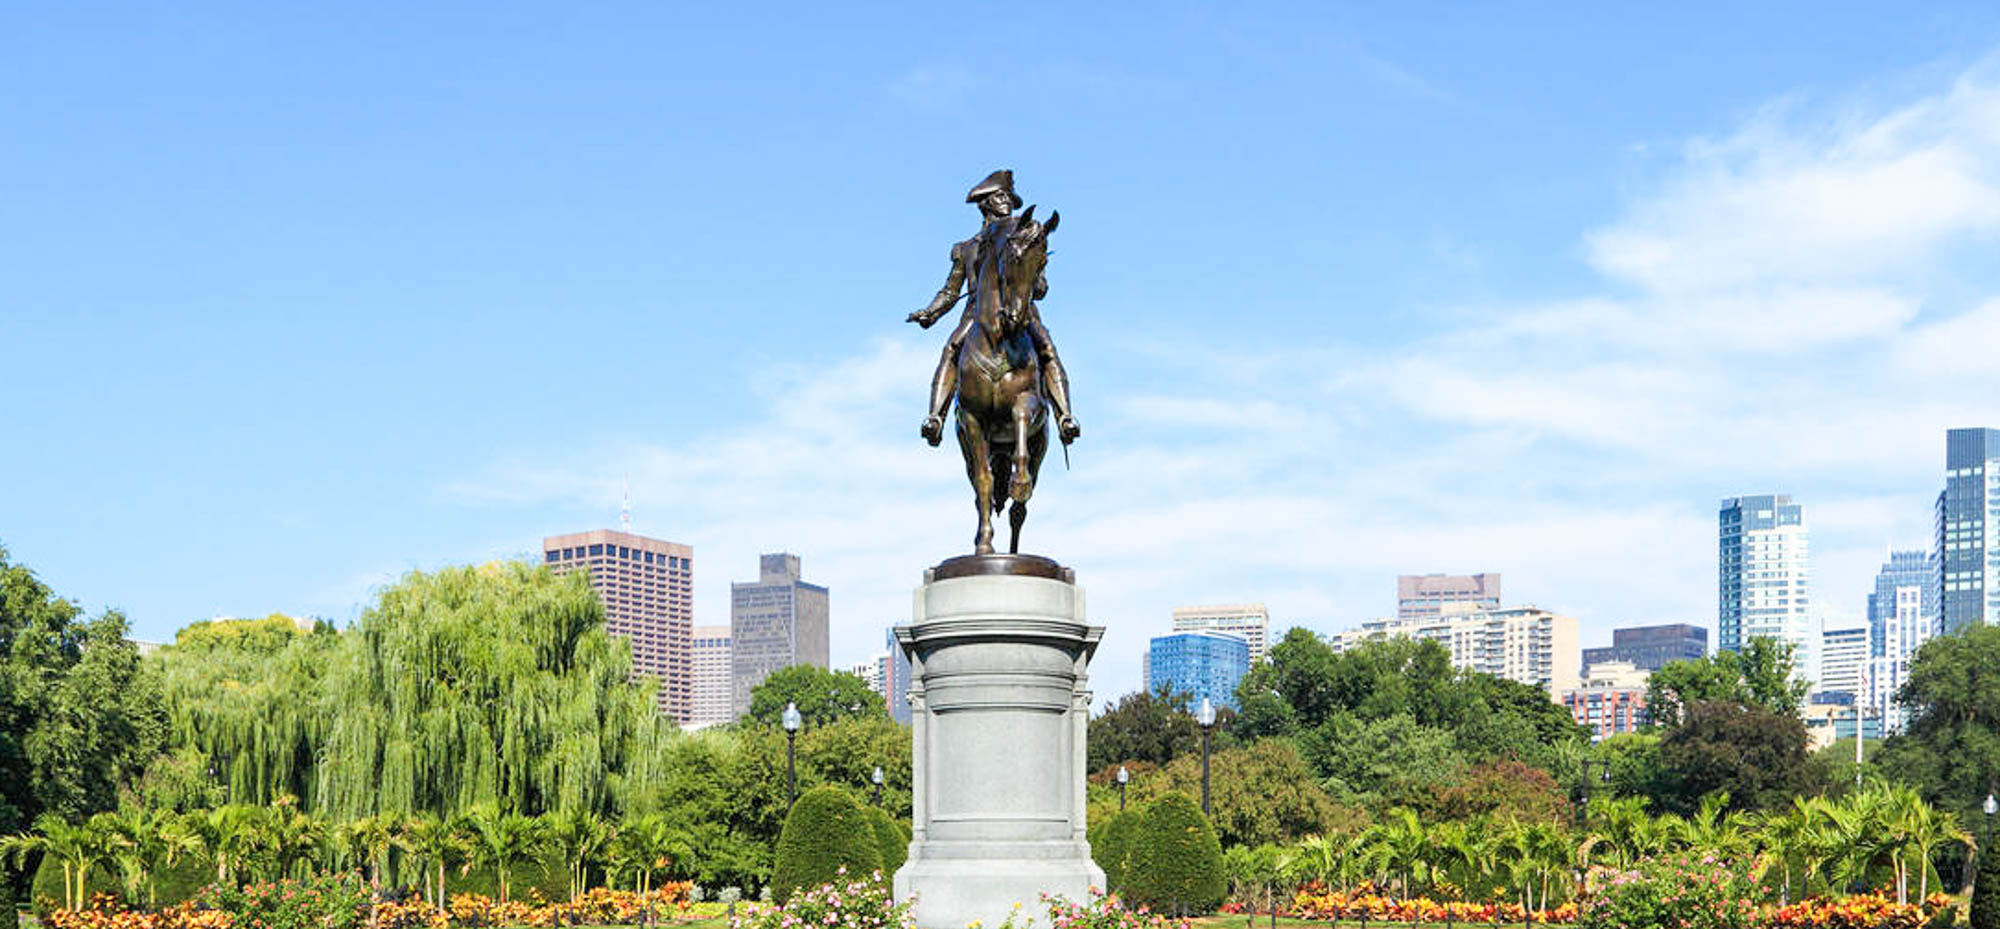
x=1419, y=596
x=647, y=588
x=1649, y=648
x=710, y=702
x=1764, y=576
x=1968, y=530
x=1902, y=635
x=1247, y=621
x=1903, y=569
x=776, y=622
x=1843, y=664
x=1199, y=664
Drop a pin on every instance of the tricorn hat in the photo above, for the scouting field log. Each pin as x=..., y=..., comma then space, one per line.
x=1001, y=181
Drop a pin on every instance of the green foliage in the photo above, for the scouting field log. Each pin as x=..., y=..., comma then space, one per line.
x=1147, y=728
x=1951, y=749
x=826, y=831
x=79, y=713
x=1754, y=755
x=1986, y=892
x=1111, y=846
x=1260, y=794
x=1381, y=763
x=889, y=839
x=1503, y=791
x=1760, y=675
x=822, y=696
x=1175, y=862
x=493, y=685
x=855, y=902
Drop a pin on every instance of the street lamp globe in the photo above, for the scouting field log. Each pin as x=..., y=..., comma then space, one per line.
x=1207, y=715
x=792, y=720
x=878, y=776
x=1992, y=806
x=1125, y=777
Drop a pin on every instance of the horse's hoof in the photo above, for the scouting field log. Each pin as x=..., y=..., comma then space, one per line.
x=982, y=549
x=933, y=430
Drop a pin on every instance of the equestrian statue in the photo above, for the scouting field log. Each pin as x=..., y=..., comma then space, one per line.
x=999, y=363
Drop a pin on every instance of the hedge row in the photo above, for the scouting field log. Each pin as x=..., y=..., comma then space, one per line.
x=193, y=872
x=1165, y=856
x=829, y=829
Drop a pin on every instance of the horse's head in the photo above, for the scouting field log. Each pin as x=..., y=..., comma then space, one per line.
x=1022, y=258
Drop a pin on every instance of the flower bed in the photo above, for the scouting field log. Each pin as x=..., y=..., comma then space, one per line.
x=341, y=903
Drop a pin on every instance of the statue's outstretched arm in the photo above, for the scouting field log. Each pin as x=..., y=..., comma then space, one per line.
x=947, y=296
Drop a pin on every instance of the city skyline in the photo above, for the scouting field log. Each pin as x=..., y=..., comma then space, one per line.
x=1344, y=294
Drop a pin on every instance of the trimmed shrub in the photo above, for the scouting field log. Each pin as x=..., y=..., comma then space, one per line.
x=1986, y=892
x=826, y=831
x=1174, y=864
x=1111, y=845
x=889, y=840
x=177, y=884
x=549, y=876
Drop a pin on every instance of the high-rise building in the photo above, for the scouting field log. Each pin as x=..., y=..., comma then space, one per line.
x=898, y=691
x=1247, y=621
x=1526, y=644
x=875, y=673
x=710, y=701
x=775, y=622
x=1968, y=530
x=1611, y=699
x=1764, y=576
x=1906, y=631
x=1913, y=568
x=1843, y=663
x=647, y=588
x=1199, y=664
x=1424, y=595
x=1649, y=648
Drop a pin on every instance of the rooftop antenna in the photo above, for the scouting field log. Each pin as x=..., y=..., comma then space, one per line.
x=625, y=510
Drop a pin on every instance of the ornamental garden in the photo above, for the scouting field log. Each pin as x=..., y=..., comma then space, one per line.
x=473, y=752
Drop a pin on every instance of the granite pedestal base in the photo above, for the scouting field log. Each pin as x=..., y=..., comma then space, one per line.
x=998, y=647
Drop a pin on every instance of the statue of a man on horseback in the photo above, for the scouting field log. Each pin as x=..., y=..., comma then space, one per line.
x=999, y=363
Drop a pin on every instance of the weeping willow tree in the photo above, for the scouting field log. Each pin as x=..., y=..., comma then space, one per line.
x=491, y=686
x=242, y=699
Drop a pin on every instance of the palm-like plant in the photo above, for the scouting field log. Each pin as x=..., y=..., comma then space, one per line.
x=501, y=840
x=293, y=839
x=583, y=839
x=1617, y=826
x=1459, y=853
x=149, y=842
x=435, y=843
x=1787, y=835
x=76, y=847
x=366, y=842
x=645, y=846
x=1396, y=846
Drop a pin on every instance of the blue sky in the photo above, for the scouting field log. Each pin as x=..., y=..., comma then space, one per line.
x=293, y=300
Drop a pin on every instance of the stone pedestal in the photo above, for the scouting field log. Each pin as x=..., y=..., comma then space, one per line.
x=999, y=709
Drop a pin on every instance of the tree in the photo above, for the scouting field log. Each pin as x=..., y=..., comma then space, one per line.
x=1153, y=728
x=1175, y=862
x=1260, y=794
x=1951, y=749
x=1503, y=790
x=494, y=685
x=436, y=844
x=1755, y=755
x=822, y=696
x=502, y=840
x=1986, y=892
x=1394, y=761
x=826, y=832
x=80, y=714
x=76, y=847
x=1760, y=675
x=582, y=839
x=1399, y=847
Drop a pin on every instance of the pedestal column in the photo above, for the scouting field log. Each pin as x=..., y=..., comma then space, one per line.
x=998, y=648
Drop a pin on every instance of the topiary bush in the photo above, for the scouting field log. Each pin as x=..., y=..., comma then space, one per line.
x=1174, y=864
x=889, y=840
x=826, y=831
x=1986, y=892
x=1111, y=844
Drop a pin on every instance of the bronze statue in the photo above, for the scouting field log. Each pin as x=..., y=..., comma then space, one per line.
x=1000, y=362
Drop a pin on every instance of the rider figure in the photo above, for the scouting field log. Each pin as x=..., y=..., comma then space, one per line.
x=997, y=202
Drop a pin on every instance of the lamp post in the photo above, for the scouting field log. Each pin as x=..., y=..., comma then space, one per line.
x=1603, y=767
x=1123, y=776
x=792, y=722
x=1207, y=720
x=1991, y=808
x=878, y=785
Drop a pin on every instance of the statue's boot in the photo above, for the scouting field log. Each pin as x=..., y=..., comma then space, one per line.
x=1055, y=383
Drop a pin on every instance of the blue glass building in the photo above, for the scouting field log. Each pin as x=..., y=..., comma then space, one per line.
x=1201, y=664
x=1968, y=531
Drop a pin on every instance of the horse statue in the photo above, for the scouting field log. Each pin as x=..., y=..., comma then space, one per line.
x=1002, y=406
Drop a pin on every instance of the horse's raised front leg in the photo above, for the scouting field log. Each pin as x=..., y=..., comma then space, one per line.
x=972, y=442
x=1022, y=486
